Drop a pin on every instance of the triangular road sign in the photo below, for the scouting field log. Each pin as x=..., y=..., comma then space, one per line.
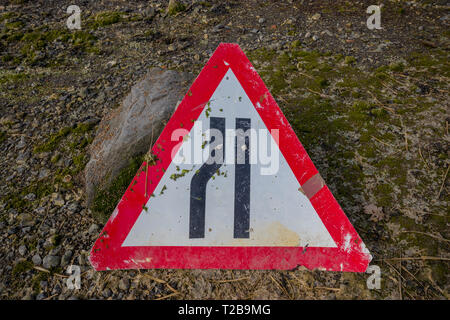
x=231, y=188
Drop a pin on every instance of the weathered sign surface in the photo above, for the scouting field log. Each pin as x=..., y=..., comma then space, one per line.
x=229, y=186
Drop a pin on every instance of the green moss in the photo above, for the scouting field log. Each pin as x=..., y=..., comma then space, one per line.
x=175, y=7
x=175, y=176
x=56, y=240
x=34, y=41
x=14, y=25
x=296, y=44
x=9, y=78
x=80, y=162
x=21, y=267
x=277, y=82
x=397, y=67
x=53, y=141
x=349, y=60
x=107, y=198
x=106, y=18
x=440, y=272
x=2, y=136
x=16, y=199
x=384, y=194
x=84, y=127
x=36, y=282
x=7, y=15
x=322, y=82
x=55, y=158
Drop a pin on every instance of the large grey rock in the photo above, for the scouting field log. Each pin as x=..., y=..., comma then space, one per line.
x=127, y=131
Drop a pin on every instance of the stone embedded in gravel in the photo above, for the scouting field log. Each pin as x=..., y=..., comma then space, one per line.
x=22, y=250
x=316, y=16
x=84, y=92
x=41, y=296
x=67, y=256
x=30, y=197
x=43, y=285
x=28, y=296
x=124, y=284
x=57, y=199
x=37, y=260
x=51, y=261
x=74, y=207
x=93, y=229
x=128, y=130
x=107, y=293
x=26, y=220
x=44, y=173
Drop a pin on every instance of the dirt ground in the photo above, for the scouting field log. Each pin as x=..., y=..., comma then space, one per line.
x=370, y=107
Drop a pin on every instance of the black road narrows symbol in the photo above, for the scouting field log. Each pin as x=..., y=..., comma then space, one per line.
x=242, y=182
x=198, y=186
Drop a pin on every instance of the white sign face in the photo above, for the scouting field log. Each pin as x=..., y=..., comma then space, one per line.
x=243, y=204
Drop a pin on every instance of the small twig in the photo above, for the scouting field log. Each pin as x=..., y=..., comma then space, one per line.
x=146, y=178
x=45, y=218
x=326, y=288
x=406, y=137
x=390, y=89
x=155, y=279
x=421, y=156
x=415, y=258
x=413, y=276
x=400, y=277
x=399, y=280
x=322, y=95
x=48, y=298
x=427, y=234
x=381, y=104
x=280, y=286
x=301, y=281
x=229, y=280
x=304, y=74
x=443, y=182
x=48, y=271
x=168, y=296
x=385, y=143
x=163, y=282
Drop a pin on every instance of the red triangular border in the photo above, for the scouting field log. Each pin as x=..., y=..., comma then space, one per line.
x=107, y=253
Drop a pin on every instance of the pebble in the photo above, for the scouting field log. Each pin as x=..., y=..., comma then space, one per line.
x=22, y=250
x=57, y=199
x=67, y=256
x=30, y=197
x=124, y=284
x=107, y=293
x=51, y=261
x=41, y=296
x=93, y=229
x=37, y=260
x=316, y=17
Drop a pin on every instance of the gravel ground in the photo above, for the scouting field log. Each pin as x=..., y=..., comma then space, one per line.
x=370, y=106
